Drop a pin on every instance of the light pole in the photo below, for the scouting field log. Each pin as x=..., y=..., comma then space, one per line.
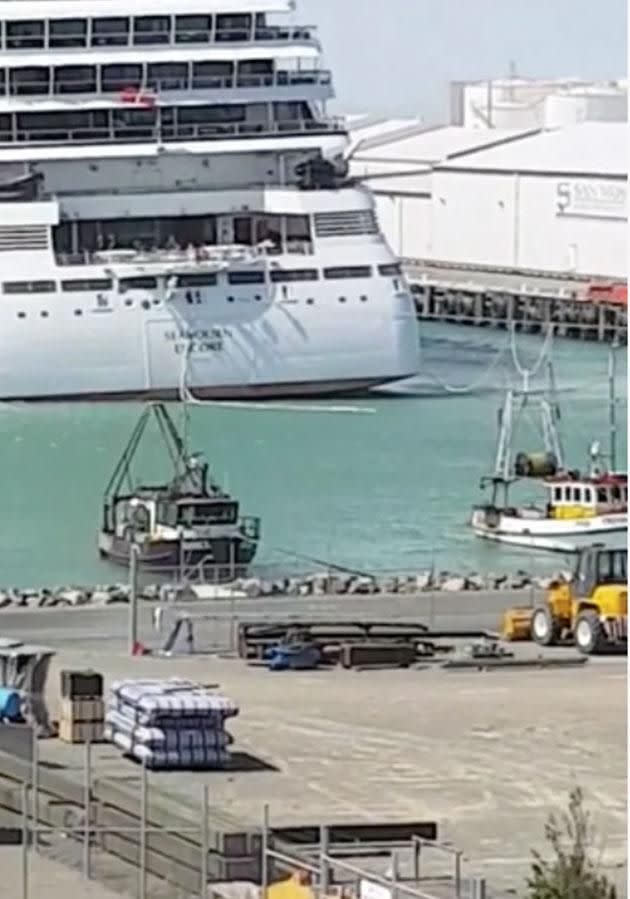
x=181, y=567
x=133, y=594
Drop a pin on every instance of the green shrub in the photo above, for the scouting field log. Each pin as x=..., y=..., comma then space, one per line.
x=570, y=872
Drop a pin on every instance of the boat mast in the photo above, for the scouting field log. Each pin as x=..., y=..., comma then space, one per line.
x=503, y=457
x=550, y=412
x=612, y=405
x=508, y=416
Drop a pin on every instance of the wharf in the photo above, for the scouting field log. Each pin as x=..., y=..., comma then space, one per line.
x=486, y=755
x=531, y=302
x=400, y=745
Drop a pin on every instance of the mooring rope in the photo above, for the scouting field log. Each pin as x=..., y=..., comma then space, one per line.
x=527, y=373
x=510, y=347
x=188, y=398
x=473, y=385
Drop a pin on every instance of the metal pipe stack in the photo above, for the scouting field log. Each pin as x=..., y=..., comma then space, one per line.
x=169, y=724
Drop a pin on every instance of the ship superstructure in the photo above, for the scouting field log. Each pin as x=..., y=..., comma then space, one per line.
x=175, y=210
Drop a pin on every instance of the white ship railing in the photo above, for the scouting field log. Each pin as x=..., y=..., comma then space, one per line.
x=123, y=133
x=207, y=257
x=167, y=188
x=102, y=85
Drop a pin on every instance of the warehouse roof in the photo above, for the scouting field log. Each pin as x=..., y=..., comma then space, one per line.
x=592, y=148
x=375, y=126
x=434, y=145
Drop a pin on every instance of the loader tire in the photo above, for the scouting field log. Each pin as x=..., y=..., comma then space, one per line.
x=545, y=630
x=589, y=634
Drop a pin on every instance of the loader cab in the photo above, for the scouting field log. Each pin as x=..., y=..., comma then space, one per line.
x=598, y=566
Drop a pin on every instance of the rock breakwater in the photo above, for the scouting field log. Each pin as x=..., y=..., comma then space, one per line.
x=318, y=584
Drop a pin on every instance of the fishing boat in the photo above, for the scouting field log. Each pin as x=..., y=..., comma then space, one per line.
x=571, y=509
x=186, y=524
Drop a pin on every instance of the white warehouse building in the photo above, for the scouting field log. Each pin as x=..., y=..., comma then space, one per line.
x=545, y=201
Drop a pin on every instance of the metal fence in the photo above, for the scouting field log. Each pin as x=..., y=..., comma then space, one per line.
x=80, y=823
x=74, y=832
x=333, y=868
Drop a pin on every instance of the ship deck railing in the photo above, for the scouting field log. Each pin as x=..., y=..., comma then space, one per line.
x=174, y=38
x=169, y=133
x=211, y=254
x=169, y=188
x=99, y=88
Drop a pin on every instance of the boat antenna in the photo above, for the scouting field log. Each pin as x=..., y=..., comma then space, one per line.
x=612, y=404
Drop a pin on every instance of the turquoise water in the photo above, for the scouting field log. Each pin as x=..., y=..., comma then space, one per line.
x=390, y=489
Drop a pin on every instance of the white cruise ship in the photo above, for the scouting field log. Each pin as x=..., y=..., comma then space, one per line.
x=176, y=214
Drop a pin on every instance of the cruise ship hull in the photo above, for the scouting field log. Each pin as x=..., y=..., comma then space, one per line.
x=302, y=344
x=313, y=390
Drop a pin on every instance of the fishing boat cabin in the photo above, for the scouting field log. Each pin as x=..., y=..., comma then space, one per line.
x=571, y=498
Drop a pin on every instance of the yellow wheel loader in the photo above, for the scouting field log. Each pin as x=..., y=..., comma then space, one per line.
x=591, y=610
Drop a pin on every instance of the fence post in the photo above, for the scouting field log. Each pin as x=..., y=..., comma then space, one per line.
x=458, y=874
x=204, y=843
x=233, y=629
x=394, y=875
x=25, y=841
x=35, y=785
x=324, y=872
x=264, y=847
x=143, y=833
x=417, y=851
x=87, y=874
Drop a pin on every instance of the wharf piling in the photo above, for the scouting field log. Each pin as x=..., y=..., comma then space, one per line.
x=578, y=309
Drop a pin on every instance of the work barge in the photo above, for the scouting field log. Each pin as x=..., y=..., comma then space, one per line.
x=594, y=310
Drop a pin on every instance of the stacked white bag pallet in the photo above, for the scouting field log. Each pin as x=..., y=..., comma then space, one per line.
x=169, y=724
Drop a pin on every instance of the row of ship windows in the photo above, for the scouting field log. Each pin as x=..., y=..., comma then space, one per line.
x=103, y=306
x=277, y=276
x=157, y=29
x=99, y=122
x=157, y=76
x=613, y=494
